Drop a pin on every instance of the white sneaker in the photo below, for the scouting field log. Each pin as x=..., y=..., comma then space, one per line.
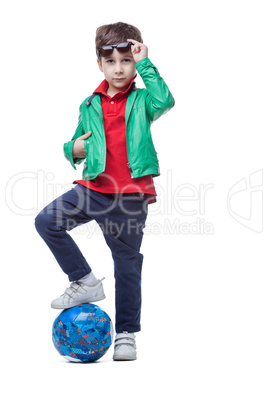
x=79, y=293
x=125, y=346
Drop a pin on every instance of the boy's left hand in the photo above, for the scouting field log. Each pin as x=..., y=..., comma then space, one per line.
x=139, y=50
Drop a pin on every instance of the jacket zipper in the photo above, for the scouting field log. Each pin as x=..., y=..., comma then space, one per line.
x=103, y=130
x=128, y=164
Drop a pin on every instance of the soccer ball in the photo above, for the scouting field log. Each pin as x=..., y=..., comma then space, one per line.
x=82, y=333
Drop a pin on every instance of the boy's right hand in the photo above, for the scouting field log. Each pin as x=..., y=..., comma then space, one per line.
x=79, y=148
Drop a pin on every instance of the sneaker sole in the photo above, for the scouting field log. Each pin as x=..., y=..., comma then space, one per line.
x=124, y=358
x=61, y=307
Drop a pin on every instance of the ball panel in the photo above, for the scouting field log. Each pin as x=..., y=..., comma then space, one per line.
x=69, y=314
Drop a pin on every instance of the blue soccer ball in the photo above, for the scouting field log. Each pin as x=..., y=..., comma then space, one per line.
x=82, y=333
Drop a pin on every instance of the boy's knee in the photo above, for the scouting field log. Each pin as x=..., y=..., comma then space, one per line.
x=47, y=220
x=41, y=222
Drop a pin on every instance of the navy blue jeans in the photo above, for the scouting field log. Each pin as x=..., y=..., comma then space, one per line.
x=121, y=218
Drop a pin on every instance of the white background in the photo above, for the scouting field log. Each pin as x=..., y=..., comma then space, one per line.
x=204, y=317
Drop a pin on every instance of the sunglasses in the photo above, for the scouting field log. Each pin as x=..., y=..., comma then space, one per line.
x=106, y=51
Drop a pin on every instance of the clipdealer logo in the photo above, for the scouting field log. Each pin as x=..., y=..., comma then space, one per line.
x=180, y=208
x=245, y=201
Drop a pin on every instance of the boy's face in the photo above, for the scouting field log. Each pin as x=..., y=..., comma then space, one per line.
x=119, y=70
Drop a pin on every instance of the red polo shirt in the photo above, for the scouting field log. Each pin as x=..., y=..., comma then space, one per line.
x=116, y=177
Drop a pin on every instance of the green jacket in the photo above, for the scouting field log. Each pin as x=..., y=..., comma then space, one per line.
x=142, y=108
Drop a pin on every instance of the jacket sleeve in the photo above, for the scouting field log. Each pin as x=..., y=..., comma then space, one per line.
x=68, y=146
x=159, y=98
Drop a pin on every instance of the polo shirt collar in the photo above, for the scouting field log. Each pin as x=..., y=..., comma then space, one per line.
x=104, y=85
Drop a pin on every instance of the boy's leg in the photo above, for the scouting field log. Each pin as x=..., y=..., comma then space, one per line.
x=123, y=231
x=65, y=213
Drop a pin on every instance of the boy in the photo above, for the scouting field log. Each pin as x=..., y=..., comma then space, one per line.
x=113, y=139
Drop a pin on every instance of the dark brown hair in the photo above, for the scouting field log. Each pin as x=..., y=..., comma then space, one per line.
x=112, y=34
